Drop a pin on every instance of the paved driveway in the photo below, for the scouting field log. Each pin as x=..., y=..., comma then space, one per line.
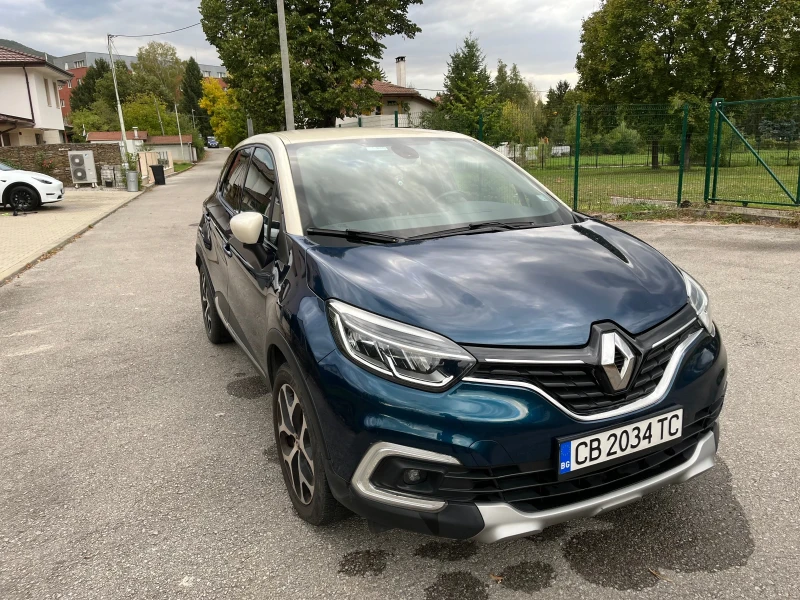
x=135, y=462
x=25, y=238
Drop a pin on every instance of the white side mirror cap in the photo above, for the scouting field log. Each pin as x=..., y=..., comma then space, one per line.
x=247, y=227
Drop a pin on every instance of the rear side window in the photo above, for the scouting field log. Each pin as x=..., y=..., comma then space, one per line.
x=258, y=187
x=232, y=184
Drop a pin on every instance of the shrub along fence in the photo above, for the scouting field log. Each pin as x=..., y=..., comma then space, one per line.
x=622, y=158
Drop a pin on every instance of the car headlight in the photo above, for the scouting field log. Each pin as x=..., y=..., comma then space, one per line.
x=399, y=352
x=698, y=298
x=45, y=181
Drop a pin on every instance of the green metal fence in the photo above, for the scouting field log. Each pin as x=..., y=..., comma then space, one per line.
x=753, y=152
x=625, y=158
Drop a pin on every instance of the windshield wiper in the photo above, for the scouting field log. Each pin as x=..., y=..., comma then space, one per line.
x=477, y=227
x=355, y=235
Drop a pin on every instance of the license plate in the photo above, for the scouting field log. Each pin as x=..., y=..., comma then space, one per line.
x=610, y=444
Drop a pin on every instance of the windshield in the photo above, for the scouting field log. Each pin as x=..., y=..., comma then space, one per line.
x=413, y=186
x=5, y=167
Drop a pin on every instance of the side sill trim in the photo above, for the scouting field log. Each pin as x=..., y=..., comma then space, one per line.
x=653, y=397
x=503, y=521
x=372, y=458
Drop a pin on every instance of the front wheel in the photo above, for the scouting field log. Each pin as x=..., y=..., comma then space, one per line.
x=24, y=198
x=300, y=453
x=215, y=328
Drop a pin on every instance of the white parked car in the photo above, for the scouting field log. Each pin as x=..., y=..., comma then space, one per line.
x=28, y=190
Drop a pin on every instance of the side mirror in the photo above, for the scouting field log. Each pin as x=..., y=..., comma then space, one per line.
x=248, y=227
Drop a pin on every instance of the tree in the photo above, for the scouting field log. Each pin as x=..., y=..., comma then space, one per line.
x=334, y=49
x=160, y=70
x=226, y=116
x=468, y=89
x=99, y=116
x=104, y=88
x=192, y=92
x=85, y=92
x=645, y=51
x=510, y=86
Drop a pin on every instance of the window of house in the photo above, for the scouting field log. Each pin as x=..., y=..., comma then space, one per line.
x=80, y=63
x=5, y=138
x=206, y=73
x=62, y=103
x=79, y=81
x=47, y=92
x=39, y=139
x=69, y=84
x=221, y=74
x=55, y=90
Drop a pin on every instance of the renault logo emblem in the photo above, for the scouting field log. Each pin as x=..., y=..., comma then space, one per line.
x=616, y=358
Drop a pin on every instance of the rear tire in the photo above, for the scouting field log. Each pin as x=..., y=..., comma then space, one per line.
x=299, y=447
x=212, y=322
x=24, y=198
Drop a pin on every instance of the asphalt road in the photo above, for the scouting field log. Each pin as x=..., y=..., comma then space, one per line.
x=136, y=457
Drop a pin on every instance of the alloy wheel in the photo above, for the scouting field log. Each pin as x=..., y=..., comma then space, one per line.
x=205, y=299
x=23, y=199
x=294, y=441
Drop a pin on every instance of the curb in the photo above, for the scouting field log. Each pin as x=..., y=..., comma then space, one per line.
x=69, y=238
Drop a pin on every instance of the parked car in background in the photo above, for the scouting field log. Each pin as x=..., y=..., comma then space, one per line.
x=27, y=190
x=212, y=142
x=450, y=348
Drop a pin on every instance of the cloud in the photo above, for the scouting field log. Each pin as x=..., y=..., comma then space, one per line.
x=541, y=36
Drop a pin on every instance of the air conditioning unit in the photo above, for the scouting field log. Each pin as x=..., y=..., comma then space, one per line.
x=81, y=165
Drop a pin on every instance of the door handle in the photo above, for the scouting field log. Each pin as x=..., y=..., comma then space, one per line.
x=227, y=249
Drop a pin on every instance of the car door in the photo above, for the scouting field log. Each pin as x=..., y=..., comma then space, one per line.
x=256, y=269
x=217, y=213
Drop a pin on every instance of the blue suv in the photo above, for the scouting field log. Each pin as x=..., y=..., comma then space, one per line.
x=450, y=348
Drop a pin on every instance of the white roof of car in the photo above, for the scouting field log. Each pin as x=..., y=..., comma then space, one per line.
x=347, y=133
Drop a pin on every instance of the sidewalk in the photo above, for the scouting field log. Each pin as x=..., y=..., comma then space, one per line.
x=24, y=239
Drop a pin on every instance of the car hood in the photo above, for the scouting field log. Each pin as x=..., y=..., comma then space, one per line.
x=531, y=287
x=30, y=174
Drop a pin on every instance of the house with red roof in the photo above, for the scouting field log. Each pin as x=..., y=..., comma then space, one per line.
x=30, y=108
x=406, y=101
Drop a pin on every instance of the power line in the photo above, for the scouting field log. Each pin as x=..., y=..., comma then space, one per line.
x=154, y=34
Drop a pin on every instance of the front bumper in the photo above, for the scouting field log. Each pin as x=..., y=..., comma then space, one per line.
x=51, y=193
x=503, y=522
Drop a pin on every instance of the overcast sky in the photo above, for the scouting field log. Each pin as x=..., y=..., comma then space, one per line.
x=541, y=36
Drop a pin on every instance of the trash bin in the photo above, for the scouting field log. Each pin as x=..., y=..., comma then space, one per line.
x=158, y=174
x=133, y=181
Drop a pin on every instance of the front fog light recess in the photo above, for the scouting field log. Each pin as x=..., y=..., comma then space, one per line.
x=400, y=352
x=698, y=299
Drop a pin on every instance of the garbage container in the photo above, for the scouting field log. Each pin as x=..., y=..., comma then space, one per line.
x=158, y=174
x=133, y=181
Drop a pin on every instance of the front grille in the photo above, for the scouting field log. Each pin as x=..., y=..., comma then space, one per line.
x=578, y=387
x=530, y=489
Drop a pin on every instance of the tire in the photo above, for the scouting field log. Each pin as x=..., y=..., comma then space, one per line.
x=24, y=197
x=299, y=446
x=215, y=328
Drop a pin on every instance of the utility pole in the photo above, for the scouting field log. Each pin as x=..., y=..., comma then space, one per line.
x=124, y=148
x=287, y=78
x=180, y=137
x=158, y=111
x=193, y=125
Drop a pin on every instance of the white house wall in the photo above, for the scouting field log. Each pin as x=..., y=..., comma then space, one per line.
x=47, y=117
x=13, y=93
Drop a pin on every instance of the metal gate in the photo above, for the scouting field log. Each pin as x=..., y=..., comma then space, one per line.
x=753, y=152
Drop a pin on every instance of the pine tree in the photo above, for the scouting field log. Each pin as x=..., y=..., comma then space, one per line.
x=192, y=86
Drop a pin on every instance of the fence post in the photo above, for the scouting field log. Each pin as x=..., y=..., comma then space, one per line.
x=682, y=157
x=712, y=114
x=395, y=119
x=359, y=120
x=797, y=195
x=577, y=156
x=716, y=157
x=480, y=126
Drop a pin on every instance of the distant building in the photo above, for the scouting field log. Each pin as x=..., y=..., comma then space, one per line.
x=394, y=97
x=79, y=63
x=29, y=101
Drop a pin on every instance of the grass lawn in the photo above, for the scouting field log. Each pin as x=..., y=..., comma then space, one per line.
x=605, y=188
x=181, y=166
